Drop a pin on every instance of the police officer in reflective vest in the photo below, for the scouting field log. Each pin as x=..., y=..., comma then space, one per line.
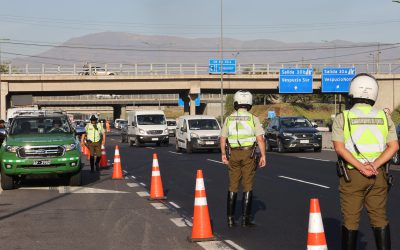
x=241, y=132
x=95, y=138
x=365, y=138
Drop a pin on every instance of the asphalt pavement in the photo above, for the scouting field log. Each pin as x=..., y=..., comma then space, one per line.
x=112, y=214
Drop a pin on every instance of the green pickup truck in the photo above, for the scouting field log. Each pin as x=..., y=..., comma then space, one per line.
x=40, y=143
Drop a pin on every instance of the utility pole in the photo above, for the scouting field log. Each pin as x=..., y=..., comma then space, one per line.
x=221, y=70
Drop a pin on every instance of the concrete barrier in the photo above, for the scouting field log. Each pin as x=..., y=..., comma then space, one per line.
x=327, y=140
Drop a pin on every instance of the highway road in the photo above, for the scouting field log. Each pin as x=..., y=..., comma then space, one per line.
x=112, y=215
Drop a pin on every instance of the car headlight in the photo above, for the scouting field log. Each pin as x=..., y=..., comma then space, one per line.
x=141, y=131
x=11, y=149
x=194, y=135
x=69, y=147
x=166, y=131
x=318, y=134
x=287, y=134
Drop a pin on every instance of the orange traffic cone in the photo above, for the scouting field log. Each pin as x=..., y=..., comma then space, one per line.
x=117, y=172
x=103, y=160
x=84, y=149
x=201, y=230
x=156, y=187
x=316, y=235
x=88, y=153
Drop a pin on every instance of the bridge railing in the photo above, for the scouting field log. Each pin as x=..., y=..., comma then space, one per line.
x=184, y=69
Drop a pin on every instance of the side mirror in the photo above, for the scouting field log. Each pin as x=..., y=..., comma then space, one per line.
x=315, y=126
x=275, y=127
x=134, y=124
x=183, y=129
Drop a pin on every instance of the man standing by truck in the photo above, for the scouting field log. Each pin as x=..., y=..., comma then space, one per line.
x=95, y=138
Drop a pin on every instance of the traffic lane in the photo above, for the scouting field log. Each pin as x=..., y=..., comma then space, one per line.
x=324, y=155
x=45, y=217
x=217, y=181
x=182, y=193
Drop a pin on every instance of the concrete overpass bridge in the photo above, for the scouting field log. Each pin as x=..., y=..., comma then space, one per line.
x=187, y=82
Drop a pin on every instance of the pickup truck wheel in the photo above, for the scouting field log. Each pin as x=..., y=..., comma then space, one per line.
x=318, y=149
x=189, y=148
x=75, y=179
x=281, y=149
x=7, y=182
x=130, y=141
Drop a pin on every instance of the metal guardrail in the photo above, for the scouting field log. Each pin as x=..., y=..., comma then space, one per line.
x=184, y=69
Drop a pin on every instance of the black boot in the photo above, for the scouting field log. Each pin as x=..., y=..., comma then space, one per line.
x=246, y=209
x=91, y=163
x=97, y=163
x=231, y=203
x=382, y=237
x=349, y=239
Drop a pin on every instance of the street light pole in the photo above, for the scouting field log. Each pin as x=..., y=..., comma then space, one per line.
x=2, y=40
x=221, y=70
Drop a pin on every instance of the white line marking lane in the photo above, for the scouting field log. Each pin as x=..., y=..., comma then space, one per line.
x=220, y=162
x=174, y=204
x=306, y=182
x=315, y=159
x=234, y=245
x=172, y=152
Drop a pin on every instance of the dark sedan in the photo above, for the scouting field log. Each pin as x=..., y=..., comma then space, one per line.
x=289, y=133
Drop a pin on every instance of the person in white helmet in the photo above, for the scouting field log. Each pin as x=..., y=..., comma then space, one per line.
x=241, y=132
x=365, y=140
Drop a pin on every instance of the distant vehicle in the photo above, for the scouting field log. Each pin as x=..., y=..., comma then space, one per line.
x=171, y=124
x=117, y=121
x=40, y=143
x=197, y=132
x=286, y=133
x=396, y=157
x=12, y=112
x=105, y=96
x=79, y=127
x=95, y=70
x=145, y=126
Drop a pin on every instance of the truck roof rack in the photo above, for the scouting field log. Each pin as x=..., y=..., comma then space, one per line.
x=41, y=113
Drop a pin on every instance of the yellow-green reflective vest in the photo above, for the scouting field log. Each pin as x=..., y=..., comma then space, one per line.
x=241, y=130
x=92, y=134
x=368, y=129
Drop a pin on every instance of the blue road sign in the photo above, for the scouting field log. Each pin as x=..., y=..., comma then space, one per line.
x=228, y=66
x=337, y=80
x=295, y=80
x=197, y=102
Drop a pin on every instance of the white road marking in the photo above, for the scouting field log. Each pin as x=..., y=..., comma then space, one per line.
x=142, y=184
x=236, y=246
x=220, y=162
x=150, y=147
x=174, y=204
x=125, y=172
x=315, y=159
x=133, y=177
x=172, y=152
x=132, y=185
x=143, y=194
x=86, y=190
x=213, y=245
x=159, y=206
x=181, y=222
x=311, y=183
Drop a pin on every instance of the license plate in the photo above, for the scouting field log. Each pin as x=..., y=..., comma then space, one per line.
x=154, y=139
x=209, y=143
x=41, y=162
x=304, y=141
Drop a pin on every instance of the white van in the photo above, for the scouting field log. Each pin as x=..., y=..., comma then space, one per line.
x=171, y=124
x=197, y=132
x=145, y=126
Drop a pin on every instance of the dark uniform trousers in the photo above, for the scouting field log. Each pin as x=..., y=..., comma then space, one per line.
x=371, y=192
x=241, y=168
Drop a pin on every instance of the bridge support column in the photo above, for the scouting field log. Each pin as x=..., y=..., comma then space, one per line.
x=193, y=104
x=123, y=112
x=3, y=99
x=186, y=100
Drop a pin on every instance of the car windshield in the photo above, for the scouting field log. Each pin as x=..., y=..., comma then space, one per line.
x=151, y=119
x=171, y=123
x=123, y=122
x=40, y=125
x=203, y=124
x=79, y=123
x=295, y=122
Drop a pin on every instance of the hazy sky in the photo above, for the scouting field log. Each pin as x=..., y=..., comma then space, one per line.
x=56, y=21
